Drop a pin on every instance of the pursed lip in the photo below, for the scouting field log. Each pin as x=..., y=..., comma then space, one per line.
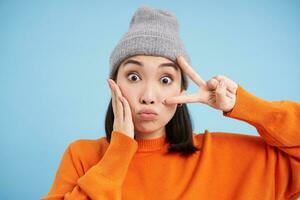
x=147, y=111
x=148, y=115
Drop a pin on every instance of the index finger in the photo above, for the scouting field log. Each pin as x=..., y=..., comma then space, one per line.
x=191, y=72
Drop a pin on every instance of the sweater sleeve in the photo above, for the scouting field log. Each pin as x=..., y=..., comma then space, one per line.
x=101, y=181
x=278, y=122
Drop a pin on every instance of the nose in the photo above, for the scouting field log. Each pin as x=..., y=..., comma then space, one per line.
x=147, y=101
x=148, y=96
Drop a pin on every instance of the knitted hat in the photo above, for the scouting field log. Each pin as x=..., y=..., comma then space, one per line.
x=151, y=32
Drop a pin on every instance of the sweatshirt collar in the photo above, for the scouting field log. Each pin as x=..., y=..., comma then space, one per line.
x=148, y=145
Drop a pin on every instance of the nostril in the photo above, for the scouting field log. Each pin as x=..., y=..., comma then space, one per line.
x=144, y=102
x=147, y=102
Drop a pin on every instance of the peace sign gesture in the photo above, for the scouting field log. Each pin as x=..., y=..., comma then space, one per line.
x=219, y=92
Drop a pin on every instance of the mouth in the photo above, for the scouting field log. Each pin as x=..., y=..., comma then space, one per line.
x=148, y=114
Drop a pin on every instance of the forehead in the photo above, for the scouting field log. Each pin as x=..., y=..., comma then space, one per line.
x=153, y=61
x=149, y=58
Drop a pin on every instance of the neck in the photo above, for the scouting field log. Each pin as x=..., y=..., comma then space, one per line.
x=150, y=135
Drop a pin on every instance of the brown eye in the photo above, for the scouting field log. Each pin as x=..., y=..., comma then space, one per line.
x=166, y=80
x=133, y=77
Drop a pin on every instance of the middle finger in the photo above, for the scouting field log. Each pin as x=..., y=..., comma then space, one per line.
x=191, y=72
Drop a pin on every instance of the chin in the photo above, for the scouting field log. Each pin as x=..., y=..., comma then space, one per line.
x=147, y=127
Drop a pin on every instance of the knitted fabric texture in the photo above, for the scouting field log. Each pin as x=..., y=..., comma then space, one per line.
x=152, y=32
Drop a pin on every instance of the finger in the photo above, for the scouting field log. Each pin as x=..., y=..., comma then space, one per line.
x=121, y=99
x=127, y=110
x=191, y=72
x=113, y=101
x=120, y=110
x=230, y=95
x=117, y=88
x=221, y=97
x=118, y=103
x=212, y=84
x=192, y=98
x=230, y=85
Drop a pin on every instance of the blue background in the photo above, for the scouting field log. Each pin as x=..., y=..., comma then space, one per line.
x=54, y=65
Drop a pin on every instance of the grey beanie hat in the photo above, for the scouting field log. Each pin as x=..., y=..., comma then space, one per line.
x=151, y=32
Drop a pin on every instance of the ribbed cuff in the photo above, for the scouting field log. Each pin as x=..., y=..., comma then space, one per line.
x=264, y=115
x=115, y=162
x=248, y=107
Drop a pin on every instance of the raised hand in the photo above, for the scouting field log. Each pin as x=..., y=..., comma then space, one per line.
x=219, y=92
x=123, y=120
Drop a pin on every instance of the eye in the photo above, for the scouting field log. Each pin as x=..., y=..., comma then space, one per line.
x=133, y=77
x=166, y=80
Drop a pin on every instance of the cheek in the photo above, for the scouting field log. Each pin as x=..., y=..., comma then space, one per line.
x=171, y=92
x=129, y=93
x=171, y=108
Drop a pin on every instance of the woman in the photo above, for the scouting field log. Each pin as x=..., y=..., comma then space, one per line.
x=150, y=151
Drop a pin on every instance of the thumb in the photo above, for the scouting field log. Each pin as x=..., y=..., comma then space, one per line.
x=221, y=93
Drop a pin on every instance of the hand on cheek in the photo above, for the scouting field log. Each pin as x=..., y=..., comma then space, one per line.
x=122, y=113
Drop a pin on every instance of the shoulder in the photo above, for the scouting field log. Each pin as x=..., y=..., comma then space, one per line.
x=88, y=147
x=230, y=140
x=82, y=154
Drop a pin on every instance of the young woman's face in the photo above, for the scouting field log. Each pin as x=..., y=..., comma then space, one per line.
x=146, y=81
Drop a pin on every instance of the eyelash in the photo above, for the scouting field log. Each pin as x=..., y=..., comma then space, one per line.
x=135, y=73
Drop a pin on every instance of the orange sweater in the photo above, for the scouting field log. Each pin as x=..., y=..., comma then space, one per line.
x=228, y=166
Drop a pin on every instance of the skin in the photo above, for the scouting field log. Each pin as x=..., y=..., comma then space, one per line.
x=150, y=86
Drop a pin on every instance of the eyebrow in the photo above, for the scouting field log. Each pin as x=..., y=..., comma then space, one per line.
x=169, y=64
